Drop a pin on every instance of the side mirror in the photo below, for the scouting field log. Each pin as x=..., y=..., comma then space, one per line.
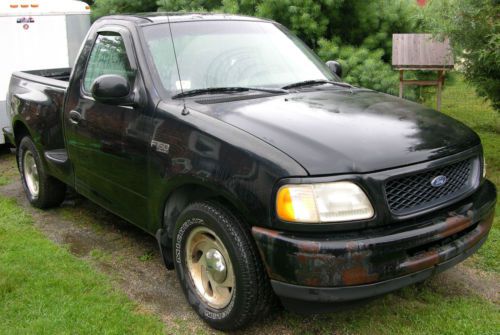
x=111, y=89
x=335, y=67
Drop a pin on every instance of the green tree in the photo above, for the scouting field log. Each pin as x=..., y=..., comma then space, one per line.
x=109, y=7
x=357, y=23
x=356, y=32
x=473, y=27
x=370, y=24
x=362, y=67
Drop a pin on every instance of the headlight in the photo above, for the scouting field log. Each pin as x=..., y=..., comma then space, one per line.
x=318, y=203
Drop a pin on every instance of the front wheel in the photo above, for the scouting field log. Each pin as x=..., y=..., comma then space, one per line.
x=42, y=190
x=219, y=268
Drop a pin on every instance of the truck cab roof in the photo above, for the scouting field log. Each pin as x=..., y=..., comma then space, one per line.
x=164, y=17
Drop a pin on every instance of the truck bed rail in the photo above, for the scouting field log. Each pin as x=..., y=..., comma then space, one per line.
x=53, y=77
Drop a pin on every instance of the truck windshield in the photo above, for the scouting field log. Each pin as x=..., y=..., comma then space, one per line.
x=213, y=54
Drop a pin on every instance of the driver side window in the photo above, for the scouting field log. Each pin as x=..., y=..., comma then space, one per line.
x=108, y=56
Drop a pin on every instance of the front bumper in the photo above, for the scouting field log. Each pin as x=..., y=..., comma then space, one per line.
x=353, y=266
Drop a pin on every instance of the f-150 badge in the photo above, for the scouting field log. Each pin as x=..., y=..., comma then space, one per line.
x=160, y=146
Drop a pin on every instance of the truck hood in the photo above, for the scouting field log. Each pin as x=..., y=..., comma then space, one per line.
x=343, y=131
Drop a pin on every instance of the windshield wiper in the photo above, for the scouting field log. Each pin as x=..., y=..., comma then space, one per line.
x=228, y=90
x=315, y=82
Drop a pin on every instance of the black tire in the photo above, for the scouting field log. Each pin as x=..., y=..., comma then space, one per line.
x=252, y=297
x=51, y=191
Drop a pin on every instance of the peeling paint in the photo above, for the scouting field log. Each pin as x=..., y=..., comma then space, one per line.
x=327, y=262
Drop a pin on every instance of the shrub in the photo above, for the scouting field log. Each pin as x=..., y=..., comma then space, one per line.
x=358, y=33
x=363, y=67
x=109, y=7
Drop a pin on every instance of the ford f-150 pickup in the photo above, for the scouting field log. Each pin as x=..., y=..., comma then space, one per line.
x=259, y=171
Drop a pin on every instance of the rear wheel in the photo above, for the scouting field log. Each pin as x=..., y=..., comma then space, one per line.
x=31, y=178
x=42, y=190
x=219, y=267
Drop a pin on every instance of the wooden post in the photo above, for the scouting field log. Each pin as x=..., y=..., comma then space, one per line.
x=439, y=89
x=401, y=84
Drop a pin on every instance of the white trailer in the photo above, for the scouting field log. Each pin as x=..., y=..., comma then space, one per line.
x=38, y=34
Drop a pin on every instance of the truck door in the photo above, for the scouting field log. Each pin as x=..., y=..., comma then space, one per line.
x=105, y=143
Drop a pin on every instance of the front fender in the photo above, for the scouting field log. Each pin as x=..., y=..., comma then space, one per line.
x=196, y=149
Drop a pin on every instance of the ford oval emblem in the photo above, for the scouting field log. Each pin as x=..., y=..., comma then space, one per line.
x=438, y=181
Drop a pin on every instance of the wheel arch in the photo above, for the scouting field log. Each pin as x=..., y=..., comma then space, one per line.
x=180, y=197
x=20, y=129
x=176, y=200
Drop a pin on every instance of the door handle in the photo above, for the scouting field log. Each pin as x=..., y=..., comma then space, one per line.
x=75, y=117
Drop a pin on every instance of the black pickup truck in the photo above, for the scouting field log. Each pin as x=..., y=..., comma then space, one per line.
x=260, y=172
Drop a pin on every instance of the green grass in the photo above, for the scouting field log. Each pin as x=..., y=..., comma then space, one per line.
x=413, y=310
x=460, y=102
x=100, y=255
x=8, y=169
x=147, y=256
x=46, y=290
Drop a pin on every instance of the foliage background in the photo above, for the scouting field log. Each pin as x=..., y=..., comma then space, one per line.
x=358, y=33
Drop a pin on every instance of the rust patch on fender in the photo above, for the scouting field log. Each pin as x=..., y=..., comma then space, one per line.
x=309, y=247
x=482, y=229
x=265, y=231
x=421, y=262
x=322, y=263
x=355, y=246
x=312, y=282
x=455, y=224
x=358, y=275
x=488, y=222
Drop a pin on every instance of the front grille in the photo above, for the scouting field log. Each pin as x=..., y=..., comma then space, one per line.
x=411, y=193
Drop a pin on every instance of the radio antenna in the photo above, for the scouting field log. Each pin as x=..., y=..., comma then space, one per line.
x=185, y=110
x=175, y=53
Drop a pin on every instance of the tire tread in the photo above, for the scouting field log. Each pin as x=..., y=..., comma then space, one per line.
x=260, y=298
x=51, y=191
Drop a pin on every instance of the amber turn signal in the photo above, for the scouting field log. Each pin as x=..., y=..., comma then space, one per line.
x=295, y=203
x=284, y=205
x=323, y=203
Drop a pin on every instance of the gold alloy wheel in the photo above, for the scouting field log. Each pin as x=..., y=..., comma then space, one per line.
x=31, y=173
x=210, y=267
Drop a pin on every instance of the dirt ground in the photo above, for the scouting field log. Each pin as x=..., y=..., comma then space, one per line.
x=131, y=259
